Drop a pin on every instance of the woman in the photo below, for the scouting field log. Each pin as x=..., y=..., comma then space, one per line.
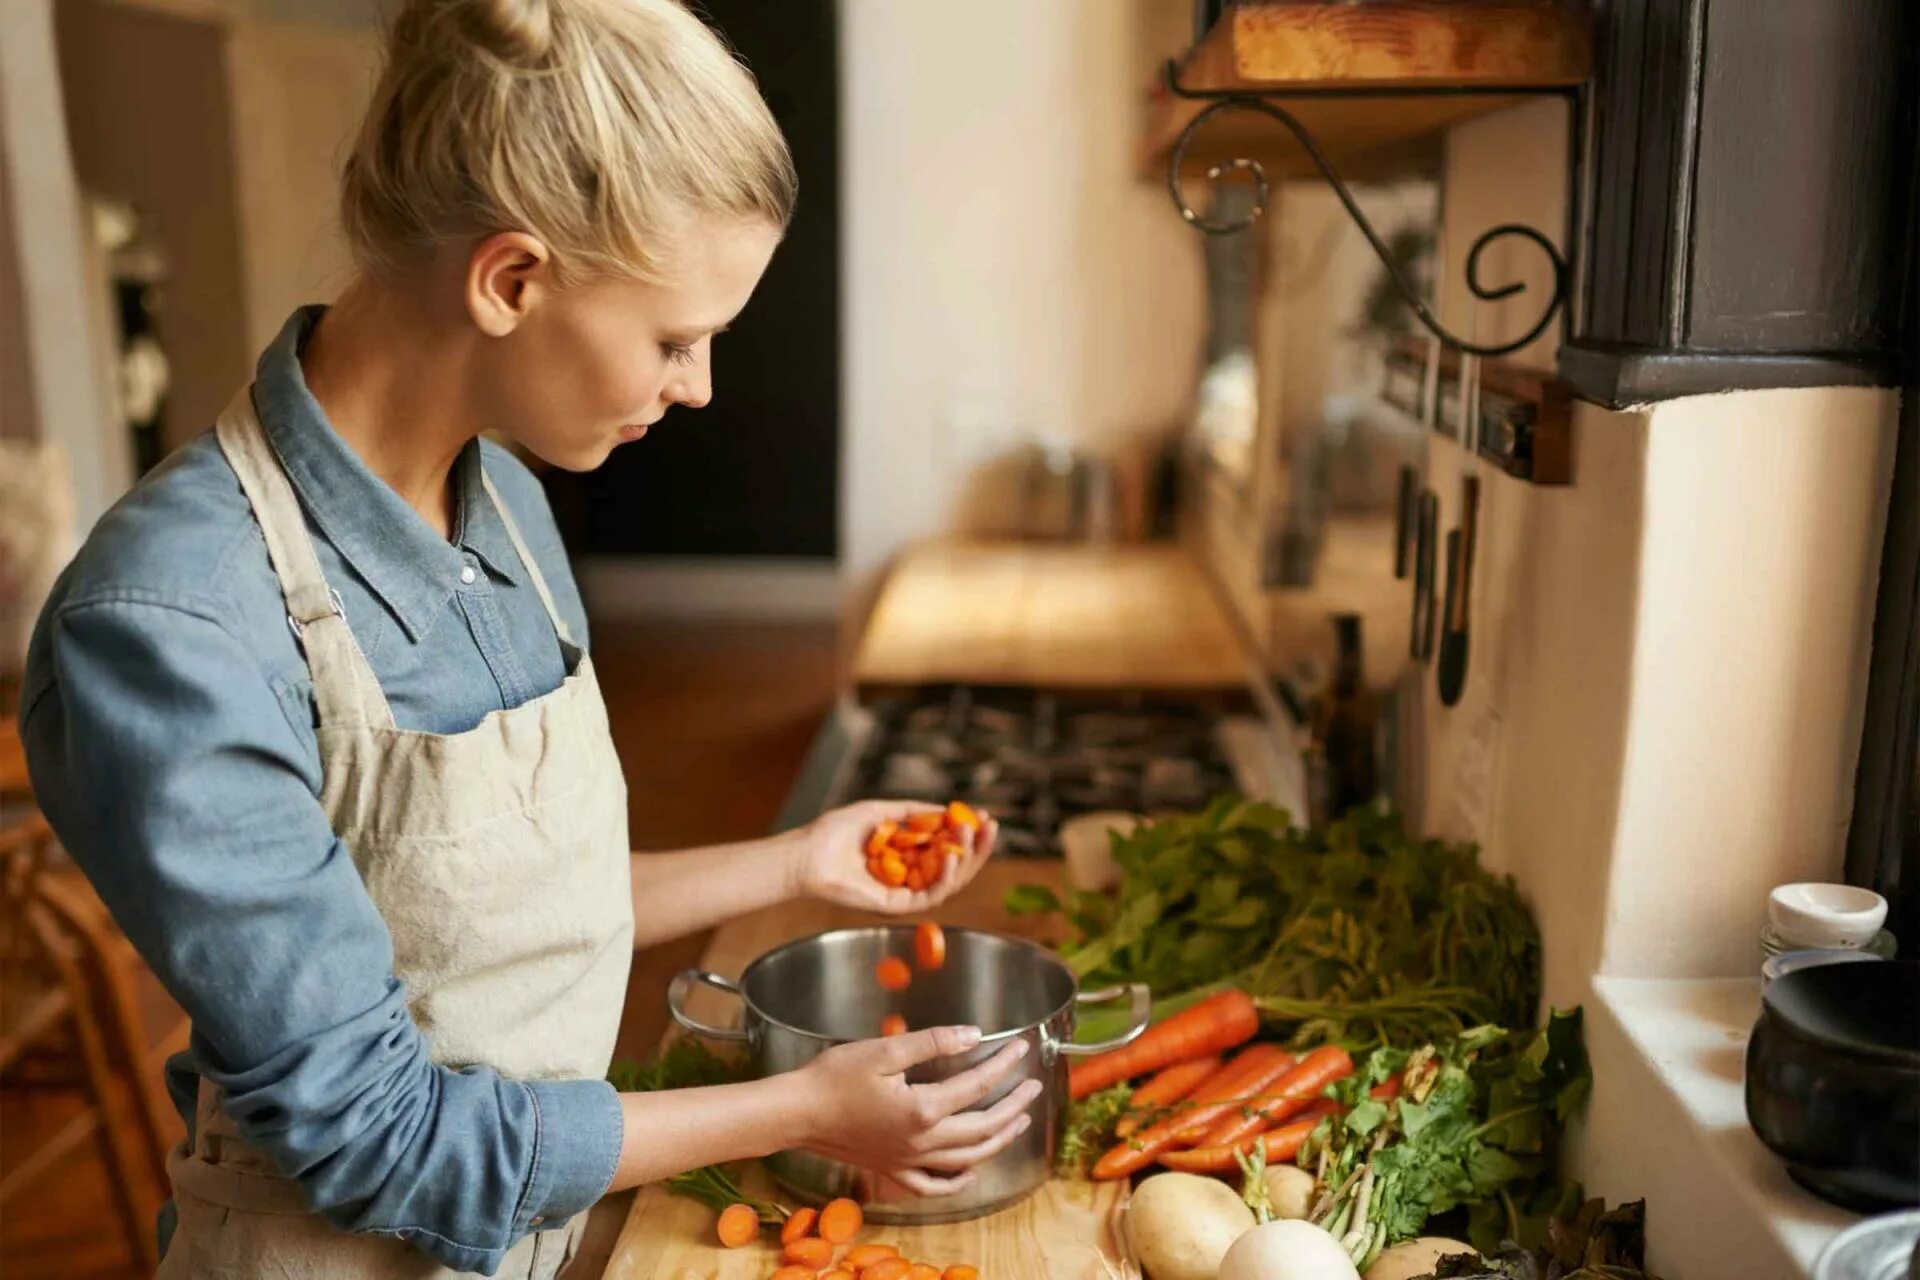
x=312, y=707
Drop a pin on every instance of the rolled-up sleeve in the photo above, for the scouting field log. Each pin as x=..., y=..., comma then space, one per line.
x=171, y=769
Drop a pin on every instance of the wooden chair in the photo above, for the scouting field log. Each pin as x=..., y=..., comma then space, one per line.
x=48, y=1012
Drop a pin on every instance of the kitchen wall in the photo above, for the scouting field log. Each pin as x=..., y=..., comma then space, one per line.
x=1004, y=267
x=1668, y=657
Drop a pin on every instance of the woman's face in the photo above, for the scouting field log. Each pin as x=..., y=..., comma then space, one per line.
x=581, y=370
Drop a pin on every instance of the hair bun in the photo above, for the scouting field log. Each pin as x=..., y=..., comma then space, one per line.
x=518, y=32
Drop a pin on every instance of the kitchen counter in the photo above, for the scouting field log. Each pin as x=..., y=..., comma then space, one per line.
x=1064, y=1232
x=1076, y=616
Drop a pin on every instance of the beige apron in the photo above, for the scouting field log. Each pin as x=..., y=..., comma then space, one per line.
x=499, y=860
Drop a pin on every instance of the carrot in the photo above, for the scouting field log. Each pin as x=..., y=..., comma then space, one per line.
x=1147, y=1145
x=838, y=1273
x=1218, y=1022
x=887, y=1269
x=799, y=1225
x=1294, y=1092
x=1283, y=1143
x=961, y=1273
x=926, y=822
x=961, y=816
x=877, y=842
x=930, y=945
x=840, y=1221
x=1170, y=1085
x=893, y=974
x=811, y=1252
x=1229, y=1084
x=739, y=1226
x=893, y=1025
x=923, y=1271
x=795, y=1273
x=863, y=1256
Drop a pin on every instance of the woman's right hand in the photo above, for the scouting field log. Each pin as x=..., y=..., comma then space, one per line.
x=920, y=1136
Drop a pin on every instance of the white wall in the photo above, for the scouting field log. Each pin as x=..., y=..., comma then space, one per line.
x=1004, y=267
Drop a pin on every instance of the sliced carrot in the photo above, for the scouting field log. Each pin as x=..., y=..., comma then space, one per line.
x=893, y=1025
x=860, y=1257
x=1170, y=1085
x=838, y=1273
x=927, y=822
x=798, y=1226
x=923, y=1271
x=739, y=1226
x=961, y=1273
x=1216, y=1023
x=961, y=814
x=810, y=1252
x=893, y=872
x=916, y=879
x=1147, y=1145
x=840, y=1221
x=930, y=945
x=1281, y=1144
x=887, y=1269
x=877, y=842
x=795, y=1273
x=1292, y=1093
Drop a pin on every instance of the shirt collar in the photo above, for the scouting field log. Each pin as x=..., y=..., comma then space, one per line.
x=401, y=558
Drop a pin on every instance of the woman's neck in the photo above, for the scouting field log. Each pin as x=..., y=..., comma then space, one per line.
x=390, y=379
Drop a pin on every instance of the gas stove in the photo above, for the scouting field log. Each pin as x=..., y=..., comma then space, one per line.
x=1033, y=758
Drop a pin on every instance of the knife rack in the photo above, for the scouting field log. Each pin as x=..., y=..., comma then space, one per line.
x=1526, y=415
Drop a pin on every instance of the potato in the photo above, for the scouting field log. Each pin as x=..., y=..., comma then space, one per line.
x=1414, y=1258
x=1287, y=1251
x=1182, y=1224
x=1289, y=1190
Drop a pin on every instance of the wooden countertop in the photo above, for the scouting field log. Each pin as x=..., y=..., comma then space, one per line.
x=1063, y=1232
x=1064, y=616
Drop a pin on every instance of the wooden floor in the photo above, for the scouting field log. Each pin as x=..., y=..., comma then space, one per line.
x=711, y=723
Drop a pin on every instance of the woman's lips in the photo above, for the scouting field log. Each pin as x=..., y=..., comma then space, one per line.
x=629, y=434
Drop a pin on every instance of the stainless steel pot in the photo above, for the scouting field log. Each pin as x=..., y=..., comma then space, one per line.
x=802, y=999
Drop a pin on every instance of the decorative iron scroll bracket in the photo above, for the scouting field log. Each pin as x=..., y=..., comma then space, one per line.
x=1236, y=101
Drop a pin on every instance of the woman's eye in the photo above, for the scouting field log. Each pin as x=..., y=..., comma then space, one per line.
x=679, y=353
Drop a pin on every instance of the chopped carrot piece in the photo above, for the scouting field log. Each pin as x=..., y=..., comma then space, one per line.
x=795, y=1273
x=922, y=1271
x=840, y=1221
x=812, y=1252
x=961, y=814
x=739, y=1226
x=887, y=1269
x=863, y=1256
x=926, y=822
x=838, y=1273
x=881, y=834
x=893, y=872
x=798, y=1226
x=893, y=1025
x=892, y=973
x=930, y=945
x=961, y=1273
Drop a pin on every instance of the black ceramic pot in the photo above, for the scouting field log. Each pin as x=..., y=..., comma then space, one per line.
x=1833, y=1081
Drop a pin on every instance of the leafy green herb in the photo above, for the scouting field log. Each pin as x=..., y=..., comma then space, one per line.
x=1589, y=1242
x=1358, y=933
x=1088, y=1129
x=1474, y=1123
x=689, y=1064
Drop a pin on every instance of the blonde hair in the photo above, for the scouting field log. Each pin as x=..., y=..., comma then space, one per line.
x=602, y=127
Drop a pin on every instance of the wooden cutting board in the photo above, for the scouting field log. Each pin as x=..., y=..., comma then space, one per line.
x=1067, y=617
x=1066, y=1231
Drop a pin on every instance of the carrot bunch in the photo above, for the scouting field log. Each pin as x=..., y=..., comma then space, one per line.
x=913, y=854
x=810, y=1247
x=1199, y=1110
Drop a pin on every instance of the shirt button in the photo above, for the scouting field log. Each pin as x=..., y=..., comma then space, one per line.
x=537, y=1219
x=467, y=575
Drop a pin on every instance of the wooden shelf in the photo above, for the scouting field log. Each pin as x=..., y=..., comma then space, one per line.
x=1307, y=46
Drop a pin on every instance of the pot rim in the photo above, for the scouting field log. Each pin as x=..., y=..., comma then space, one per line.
x=1887, y=1055
x=746, y=976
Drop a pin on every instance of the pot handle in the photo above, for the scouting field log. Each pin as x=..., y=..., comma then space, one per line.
x=677, y=991
x=1139, y=996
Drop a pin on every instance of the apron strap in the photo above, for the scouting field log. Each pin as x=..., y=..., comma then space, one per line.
x=526, y=558
x=345, y=690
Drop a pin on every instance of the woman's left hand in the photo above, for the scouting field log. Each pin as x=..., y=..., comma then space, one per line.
x=832, y=859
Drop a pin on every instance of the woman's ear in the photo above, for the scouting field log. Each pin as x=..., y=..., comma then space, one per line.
x=509, y=274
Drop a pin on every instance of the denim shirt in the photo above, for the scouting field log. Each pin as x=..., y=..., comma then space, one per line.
x=169, y=724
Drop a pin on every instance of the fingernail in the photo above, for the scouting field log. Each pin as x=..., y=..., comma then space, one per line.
x=1020, y=1048
x=1023, y=1124
x=969, y=1037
